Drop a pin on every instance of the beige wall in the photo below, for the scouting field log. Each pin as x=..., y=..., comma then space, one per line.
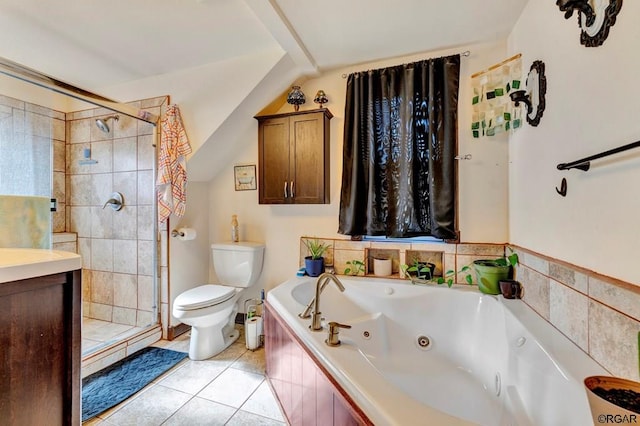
x=189, y=259
x=591, y=107
x=483, y=180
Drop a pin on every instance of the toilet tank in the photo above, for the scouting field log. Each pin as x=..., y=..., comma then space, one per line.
x=238, y=264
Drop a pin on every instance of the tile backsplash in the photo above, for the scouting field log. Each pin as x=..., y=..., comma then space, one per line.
x=599, y=314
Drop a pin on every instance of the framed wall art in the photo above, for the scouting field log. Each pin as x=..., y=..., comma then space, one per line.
x=245, y=177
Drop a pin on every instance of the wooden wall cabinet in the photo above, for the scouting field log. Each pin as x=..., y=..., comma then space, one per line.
x=293, y=150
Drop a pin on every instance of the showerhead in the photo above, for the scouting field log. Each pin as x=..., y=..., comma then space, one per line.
x=102, y=122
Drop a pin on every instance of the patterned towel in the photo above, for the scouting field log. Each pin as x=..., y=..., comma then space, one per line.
x=171, y=184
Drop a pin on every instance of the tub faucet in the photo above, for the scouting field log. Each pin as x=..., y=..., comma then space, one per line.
x=323, y=279
x=334, y=329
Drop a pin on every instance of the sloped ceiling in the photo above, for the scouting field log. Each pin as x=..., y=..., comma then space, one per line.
x=95, y=44
x=129, y=50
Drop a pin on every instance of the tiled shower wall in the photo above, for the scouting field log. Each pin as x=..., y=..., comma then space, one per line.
x=599, y=314
x=27, y=131
x=117, y=247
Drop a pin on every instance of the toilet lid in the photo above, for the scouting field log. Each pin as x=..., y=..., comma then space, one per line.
x=203, y=296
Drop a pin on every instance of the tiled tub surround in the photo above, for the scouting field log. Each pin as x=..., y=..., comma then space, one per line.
x=454, y=256
x=599, y=314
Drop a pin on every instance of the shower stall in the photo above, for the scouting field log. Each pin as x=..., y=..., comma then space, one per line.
x=80, y=154
x=111, y=156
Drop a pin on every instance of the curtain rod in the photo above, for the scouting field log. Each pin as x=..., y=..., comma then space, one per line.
x=499, y=64
x=465, y=53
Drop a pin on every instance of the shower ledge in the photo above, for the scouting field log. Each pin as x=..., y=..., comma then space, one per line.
x=64, y=237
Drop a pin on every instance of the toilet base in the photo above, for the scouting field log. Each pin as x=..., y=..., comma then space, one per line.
x=206, y=342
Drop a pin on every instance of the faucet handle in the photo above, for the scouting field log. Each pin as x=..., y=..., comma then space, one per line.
x=334, y=331
x=116, y=201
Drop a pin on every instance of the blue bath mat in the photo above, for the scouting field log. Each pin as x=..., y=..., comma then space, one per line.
x=117, y=382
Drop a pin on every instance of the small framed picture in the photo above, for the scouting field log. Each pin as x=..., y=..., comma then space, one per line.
x=245, y=177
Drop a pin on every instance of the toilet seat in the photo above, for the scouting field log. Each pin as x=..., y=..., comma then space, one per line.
x=203, y=296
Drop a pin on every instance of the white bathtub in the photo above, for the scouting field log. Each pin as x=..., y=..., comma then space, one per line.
x=490, y=361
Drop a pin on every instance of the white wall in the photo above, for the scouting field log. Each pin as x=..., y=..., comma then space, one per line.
x=207, y=95
x=592, y=106
x=189, y=265
x=483, y=181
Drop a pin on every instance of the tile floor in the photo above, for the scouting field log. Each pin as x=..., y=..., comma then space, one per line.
x=97, y=333
x=228, y=389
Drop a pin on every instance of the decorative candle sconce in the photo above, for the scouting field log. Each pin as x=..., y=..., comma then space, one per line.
x=321, y=98
x=296, y=97
x=595, y=18
x=534, y=96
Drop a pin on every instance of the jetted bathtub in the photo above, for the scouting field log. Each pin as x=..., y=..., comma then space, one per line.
x=433, y=355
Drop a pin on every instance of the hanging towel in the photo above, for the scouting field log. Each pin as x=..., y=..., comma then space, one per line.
x=171, y=184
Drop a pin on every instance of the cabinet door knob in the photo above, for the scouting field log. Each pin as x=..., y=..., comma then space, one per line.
x=293, y=194
x=285, y=189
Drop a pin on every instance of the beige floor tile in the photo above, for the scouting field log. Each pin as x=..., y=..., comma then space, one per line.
x=243, y=418
x=150, y=408
x=232, y=353
x=252, y=361
x=201, y=412
x=180, y=343
x=194, y=376
x=233, y=387
x=263, y=403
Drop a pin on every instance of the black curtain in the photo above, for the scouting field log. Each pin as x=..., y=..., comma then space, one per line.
x=400, y=138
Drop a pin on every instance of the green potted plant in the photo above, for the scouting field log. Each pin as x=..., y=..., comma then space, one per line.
x=411, y=273
x=356, y=267
x=489, y=272
x=314, y=263
x=420, y=270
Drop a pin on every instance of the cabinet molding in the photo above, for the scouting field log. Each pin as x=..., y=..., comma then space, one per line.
x=293, y=163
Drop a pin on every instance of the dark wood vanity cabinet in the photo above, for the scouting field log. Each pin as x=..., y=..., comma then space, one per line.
x=293, y=165
x=40, y=350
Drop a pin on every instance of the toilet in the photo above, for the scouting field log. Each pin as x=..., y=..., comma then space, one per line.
x=211, y=309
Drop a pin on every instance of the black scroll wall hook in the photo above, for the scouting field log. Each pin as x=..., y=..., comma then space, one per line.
x=563, y=188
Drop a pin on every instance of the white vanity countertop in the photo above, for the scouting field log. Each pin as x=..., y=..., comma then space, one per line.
x=22, y=263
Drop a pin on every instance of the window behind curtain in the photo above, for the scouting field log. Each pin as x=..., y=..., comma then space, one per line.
x=400, y=141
